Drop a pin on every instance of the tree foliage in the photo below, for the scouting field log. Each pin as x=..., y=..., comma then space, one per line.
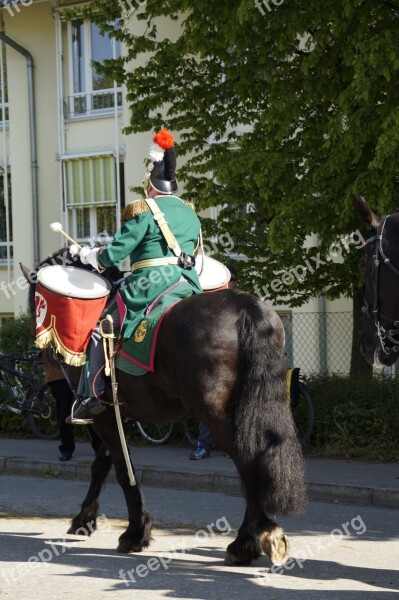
x=288, y=112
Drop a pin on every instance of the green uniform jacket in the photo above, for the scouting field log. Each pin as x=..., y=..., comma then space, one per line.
x=141, y=239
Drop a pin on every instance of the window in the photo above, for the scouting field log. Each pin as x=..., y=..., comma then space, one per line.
x=89, y=223
x=4, y=116
x=6, y=247
x=4, y=317
x=90, y=193
x=92, y=92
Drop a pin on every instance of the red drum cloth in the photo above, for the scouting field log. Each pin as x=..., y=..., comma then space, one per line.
x=66, y=323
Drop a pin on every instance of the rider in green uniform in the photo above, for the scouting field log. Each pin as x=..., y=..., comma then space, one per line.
x=155, y=266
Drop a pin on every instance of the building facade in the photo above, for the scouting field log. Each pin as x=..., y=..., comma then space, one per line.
x=63, y=154
x=64, y=157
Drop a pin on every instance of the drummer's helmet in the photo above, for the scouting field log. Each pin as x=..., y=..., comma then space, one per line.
x=161, y=170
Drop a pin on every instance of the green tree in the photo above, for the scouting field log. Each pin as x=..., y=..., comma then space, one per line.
x=285, y=109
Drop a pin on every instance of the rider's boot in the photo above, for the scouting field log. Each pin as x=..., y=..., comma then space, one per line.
x=84, y=414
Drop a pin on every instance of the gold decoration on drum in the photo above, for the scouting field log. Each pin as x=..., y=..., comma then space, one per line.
x=141, y=331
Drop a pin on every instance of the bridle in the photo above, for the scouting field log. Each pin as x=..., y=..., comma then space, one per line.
x=388, y=337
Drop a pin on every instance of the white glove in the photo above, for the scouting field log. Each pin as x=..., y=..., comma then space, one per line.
x=88, y=256
x=73, y=250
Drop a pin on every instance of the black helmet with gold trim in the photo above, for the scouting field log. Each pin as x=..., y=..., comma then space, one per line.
x=161, y=172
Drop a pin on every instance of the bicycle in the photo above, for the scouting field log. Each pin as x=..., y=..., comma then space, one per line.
x=298, y=398
x=159, y=433
x=23, y=396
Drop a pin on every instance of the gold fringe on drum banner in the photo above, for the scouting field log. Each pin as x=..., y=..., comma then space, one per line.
x=49, y=338
x=66, y=322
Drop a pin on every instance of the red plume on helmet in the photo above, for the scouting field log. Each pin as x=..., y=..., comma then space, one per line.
x=163, y=156
x=164, y=139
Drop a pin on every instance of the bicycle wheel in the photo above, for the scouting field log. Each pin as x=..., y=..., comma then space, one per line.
x=303, y=413
x=40, y=412
x=156, y=433
x=191, y=430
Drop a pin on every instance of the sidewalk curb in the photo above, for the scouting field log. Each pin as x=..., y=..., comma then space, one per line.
x=226, y=483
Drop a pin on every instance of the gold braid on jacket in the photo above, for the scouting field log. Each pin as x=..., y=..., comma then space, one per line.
x=134, y=208
x=137, y=207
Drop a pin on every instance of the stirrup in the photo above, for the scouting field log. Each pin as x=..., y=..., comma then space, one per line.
x=78, y=421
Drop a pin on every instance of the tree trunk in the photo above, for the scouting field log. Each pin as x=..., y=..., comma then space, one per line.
x=359, y=367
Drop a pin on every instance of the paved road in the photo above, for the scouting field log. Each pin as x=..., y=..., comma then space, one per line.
x=340, y=552
x=328, y=480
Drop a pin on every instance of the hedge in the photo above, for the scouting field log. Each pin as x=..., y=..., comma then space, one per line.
x=16, y=337
x=355, y=418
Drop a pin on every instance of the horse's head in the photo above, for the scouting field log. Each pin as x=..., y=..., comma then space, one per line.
x=379, y=267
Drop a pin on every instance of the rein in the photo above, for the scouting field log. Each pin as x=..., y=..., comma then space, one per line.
x=385, y=335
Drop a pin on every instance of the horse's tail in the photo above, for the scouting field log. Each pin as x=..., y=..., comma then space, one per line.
x=269, y=454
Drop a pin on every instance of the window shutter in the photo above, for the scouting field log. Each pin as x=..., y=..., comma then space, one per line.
x=90, y=181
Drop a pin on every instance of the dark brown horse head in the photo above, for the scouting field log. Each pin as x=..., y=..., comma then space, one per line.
x=379, y=267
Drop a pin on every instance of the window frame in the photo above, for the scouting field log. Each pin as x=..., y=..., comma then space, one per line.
x=89, y=93
x=94, y=233
x=72, y=218
x=8, y=243
x=4, y=104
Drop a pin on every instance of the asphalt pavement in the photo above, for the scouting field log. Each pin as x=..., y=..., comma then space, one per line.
x=343, y=546
x=337, y=551
x=329, y=480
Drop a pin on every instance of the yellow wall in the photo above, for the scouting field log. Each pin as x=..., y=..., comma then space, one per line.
x=34, y=28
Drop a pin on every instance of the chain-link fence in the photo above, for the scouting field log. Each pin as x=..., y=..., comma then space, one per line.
x=319, y=342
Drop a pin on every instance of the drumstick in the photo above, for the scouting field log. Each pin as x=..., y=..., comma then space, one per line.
x=57, y=227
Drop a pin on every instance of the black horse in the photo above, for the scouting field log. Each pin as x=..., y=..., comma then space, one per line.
x=219, y=357
x=379, y=267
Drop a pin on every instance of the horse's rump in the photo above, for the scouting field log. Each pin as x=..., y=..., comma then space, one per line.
x=228, y=349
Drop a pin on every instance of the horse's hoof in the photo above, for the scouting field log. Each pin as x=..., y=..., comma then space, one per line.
x=127, y=544
x=274, y=544
x=124, y=548
x=79, y=531
x=232, y=561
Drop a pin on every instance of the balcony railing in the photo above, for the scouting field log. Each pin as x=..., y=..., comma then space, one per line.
x=93, y=104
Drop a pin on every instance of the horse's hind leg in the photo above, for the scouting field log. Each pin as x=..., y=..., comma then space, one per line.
x=257, y=534
x=246, y=546
x=85, y=521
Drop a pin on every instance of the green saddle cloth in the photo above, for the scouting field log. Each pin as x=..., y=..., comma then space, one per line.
x=137, y=354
